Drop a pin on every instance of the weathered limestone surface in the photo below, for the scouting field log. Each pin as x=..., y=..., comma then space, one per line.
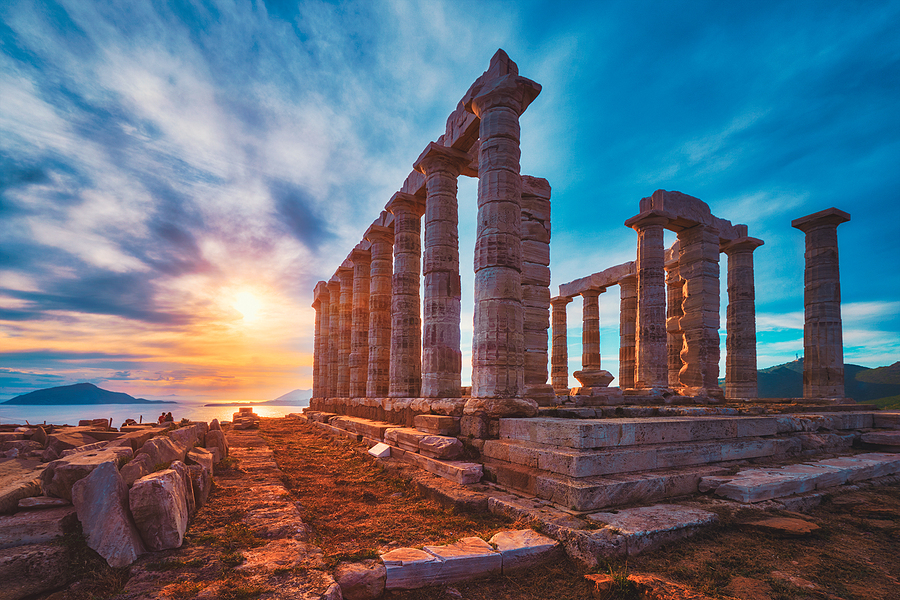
x=699, y=268
x=559, y=366
x=648, y=527
x=650, y=345
x=437, y=424
x=674, y=313
x=627, y=329
x=362, y=580
x=101, y=500
x=345, y=274
x=36, y=526
x=32, y=569
x=160, y=509
x=524, y=548
x=320, y=304
x=406, y=324
x=823, y=346
x=498, y=347
x=441, y=356
x=382, y=268
x=60, y=475
x=409, y=568
x=334, y=336
x=359, y=336
x=740, y=340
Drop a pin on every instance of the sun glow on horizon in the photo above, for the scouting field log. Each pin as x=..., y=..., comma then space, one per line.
x=248, y=304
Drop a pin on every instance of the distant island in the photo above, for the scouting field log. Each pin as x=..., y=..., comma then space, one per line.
x=293, y=397
x=78, y=394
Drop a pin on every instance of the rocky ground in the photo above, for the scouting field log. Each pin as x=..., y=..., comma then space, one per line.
x=256, y=539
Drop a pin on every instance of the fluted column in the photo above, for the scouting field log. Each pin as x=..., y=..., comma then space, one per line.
x=590, y=330
x=740, y=320
x=441, y=355
x=334, y=336
x=406, y=324
x=559, y=358
x=382, y=268
x=674, y=312
x=627, y=323
x=359, y=336
x=345, y=274
x=320, y=344
x=650, y=344
x=699, y=268
x=498, y=350
x=823, y=345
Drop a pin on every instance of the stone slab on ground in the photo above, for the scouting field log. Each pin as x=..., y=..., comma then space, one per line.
x=460, y=472
x=35, y=526
x=409, y=568
x=523, y=548
x=649, y=527
x=19, y=478
x=891, y=439
x=32, y=569
x=42, y=502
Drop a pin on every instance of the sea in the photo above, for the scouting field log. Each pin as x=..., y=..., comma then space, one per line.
x=190, y=409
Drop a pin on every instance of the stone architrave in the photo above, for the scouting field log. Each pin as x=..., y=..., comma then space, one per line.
x=498, y=349
x=627, y=322
x=406, y=323
x=651, y=368
x=345, y=274
x=740, y=340
x=382, y=268
x=334, y=336
x=359, y=337
x=674, y=312
x=536, y=286
x=823, y=345
x=559, y=359
x=320, y=345
x=699, y=268
x=441, y=355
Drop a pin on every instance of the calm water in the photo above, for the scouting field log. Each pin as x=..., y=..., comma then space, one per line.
x=70, y=415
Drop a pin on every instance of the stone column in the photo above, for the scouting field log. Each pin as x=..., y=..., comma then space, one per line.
x=359, y=336
x=740, y=320
x=650, y=343
x=382, y=268
x=345, y=274
x=559, y=366
x=627, y=322
x=590, y=330
x=823, y=345
x=406, y=324
x=441, y=355
x=320, y=345
x=498, y=349
x=334, y=336
x=536, y=286
x=699, y=268
x=674, y=312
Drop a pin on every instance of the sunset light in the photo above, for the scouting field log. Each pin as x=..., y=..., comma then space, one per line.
x=248, y=304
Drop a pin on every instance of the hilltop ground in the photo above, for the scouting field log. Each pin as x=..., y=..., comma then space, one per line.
x=357, y=509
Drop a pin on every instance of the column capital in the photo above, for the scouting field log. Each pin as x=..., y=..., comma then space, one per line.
x=358, y=256
x=510, y=90
x=379, y=233
x=592, y=292
x=742, y=244
x=334, y=285
x=649, y=218
x=630, y=278
x=830, y=217
x=560, y=300
x=437, y=157
x=345, y=270
x=401, y=202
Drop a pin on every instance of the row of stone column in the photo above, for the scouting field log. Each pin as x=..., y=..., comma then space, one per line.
x=352, y=355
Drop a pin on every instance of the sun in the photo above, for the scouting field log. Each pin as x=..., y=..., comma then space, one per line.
x=247, y=304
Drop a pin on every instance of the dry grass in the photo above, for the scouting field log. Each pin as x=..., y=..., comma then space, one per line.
x=353, y=504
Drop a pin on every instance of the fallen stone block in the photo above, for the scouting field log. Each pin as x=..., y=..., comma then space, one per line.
x=649, y=527
x=60, y=475
x=32, y=569
x=101, y=500
x=216, y=453
x=135, y=469
x=362, y=580
x=524, y=548
x=160, y=509
x=201, y=483
x=380, y=450
x=64, y=440
x=86, y=448
x=163, y=450
x=405, y=438
x=42, y=502
x=468, y=558
x=36, y=526
x=409, y=569
x=202, y=457
x=437, y=424
x=216, y=438
x=187, y=485
x=443, y=447
x=22, y=484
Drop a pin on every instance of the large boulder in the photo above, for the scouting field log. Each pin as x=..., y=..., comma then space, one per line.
x=141, y=465
x=187, y=486
x=64, y=440
x=101, y=500
x=60, y=475
x=160, y=509
x=163, y=450
x=215, y=438
x=201, y=480
x=202, y=457
x=187, y=436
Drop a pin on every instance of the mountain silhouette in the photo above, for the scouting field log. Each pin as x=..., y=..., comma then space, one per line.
x=80, y=393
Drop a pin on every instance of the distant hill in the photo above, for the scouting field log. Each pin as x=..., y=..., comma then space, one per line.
x=78, y=394
x=879, y=386
x=299, y=397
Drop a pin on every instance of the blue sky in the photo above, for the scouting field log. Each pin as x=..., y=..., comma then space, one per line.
x=175, y=177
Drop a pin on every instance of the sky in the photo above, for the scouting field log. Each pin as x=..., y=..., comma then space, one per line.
x=175, y=177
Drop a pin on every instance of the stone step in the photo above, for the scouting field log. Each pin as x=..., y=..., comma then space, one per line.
x=593, y=493
x=606, y=433
x=629, y=459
